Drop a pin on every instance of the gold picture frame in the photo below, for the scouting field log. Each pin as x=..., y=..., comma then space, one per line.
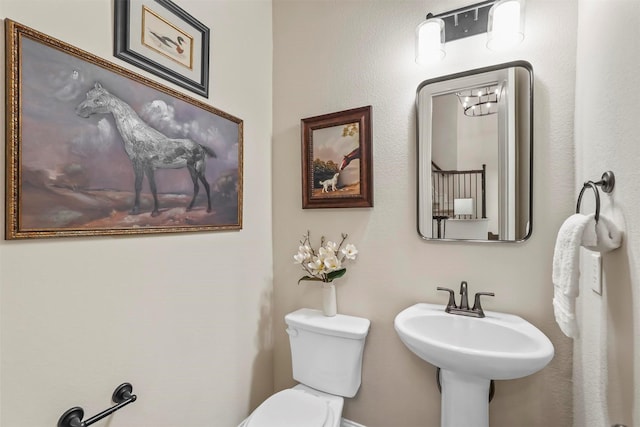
x=73, y=168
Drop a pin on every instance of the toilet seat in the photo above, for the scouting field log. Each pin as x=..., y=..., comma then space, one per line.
x=292, y=408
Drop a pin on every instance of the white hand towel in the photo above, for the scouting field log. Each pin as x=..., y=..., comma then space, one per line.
x=566, y=270
x=604, y=236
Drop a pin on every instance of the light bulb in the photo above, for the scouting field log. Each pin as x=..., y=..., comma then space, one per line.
x=430, y=41
x=506, y=24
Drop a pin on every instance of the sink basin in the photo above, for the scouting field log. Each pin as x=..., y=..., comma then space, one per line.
x=499, y=346
x=471, y=352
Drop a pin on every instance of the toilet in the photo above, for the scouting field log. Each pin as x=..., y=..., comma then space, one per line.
x=326, y=357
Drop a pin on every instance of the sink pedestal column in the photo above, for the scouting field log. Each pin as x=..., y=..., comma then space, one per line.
x=465, y=400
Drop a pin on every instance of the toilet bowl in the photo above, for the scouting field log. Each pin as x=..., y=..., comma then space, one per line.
x=299, y=406
x=326, y=356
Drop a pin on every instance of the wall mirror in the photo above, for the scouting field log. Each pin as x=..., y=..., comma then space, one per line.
x=475, y=154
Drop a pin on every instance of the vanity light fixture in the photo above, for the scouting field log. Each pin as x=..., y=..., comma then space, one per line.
x=506, y=24
x=502, y=20
x=430, y=41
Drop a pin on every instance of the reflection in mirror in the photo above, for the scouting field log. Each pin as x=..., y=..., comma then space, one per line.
x=475, y=154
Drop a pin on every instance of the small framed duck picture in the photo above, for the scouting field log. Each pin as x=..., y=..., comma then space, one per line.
x=163, y=39
x=337, y=160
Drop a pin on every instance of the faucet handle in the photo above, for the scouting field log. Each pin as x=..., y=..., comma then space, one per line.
x=452, y=299
x=476, y=303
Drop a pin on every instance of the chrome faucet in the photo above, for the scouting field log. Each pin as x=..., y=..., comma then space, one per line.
x=464, y=301
x=463, y=309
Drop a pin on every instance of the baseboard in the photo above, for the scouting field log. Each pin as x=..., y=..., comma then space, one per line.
x=347, y=423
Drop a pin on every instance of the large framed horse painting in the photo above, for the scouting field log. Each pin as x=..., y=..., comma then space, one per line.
x=94, y=149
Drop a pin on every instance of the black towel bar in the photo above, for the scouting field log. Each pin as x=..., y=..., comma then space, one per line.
x=607, y=182
x=121, y=396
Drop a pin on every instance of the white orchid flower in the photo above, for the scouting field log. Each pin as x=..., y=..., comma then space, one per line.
x=350, y=251
x=316, y=266
x=299, y=258
x=304, y=254
x=326, y=262
x=324, y=253
x=332, y=246
x=332, y=263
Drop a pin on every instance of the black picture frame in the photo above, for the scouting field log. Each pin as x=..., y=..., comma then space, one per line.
x=196, y=79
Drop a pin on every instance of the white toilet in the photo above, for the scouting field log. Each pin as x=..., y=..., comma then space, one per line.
x=326, y=355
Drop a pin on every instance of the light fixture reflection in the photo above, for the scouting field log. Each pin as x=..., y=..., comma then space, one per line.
x=480, y=101
x=430, y=41
x=506, y=24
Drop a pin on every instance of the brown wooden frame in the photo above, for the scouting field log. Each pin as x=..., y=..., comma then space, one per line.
x=101, y=202
x=358, y=195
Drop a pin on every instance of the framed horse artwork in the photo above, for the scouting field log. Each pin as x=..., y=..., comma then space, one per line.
x=94, y=149
x=337, y=168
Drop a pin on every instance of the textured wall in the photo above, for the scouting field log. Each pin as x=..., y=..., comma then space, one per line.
x=179, y=316
x=335, y=55
x=607, y=355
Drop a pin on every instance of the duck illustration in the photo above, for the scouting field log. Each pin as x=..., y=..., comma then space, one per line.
x=169, y=43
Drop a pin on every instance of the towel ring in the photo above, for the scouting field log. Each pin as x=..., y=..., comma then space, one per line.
x=607, y=182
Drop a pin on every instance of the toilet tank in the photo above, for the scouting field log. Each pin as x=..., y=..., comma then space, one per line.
x=326, y=352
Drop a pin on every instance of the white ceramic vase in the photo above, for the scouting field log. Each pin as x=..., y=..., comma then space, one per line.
x=329, y=303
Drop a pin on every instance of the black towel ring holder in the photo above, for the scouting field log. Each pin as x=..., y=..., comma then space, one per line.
x=607, y=182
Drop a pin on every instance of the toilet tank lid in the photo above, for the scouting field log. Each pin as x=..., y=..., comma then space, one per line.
x=339, y=325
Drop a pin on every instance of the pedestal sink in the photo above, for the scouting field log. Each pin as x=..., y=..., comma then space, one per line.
x=470, y=352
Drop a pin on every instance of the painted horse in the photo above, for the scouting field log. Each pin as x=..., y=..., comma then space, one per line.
x=355, y=154
x=147, y=148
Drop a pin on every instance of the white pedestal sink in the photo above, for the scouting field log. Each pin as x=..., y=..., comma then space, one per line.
x=470, y=352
